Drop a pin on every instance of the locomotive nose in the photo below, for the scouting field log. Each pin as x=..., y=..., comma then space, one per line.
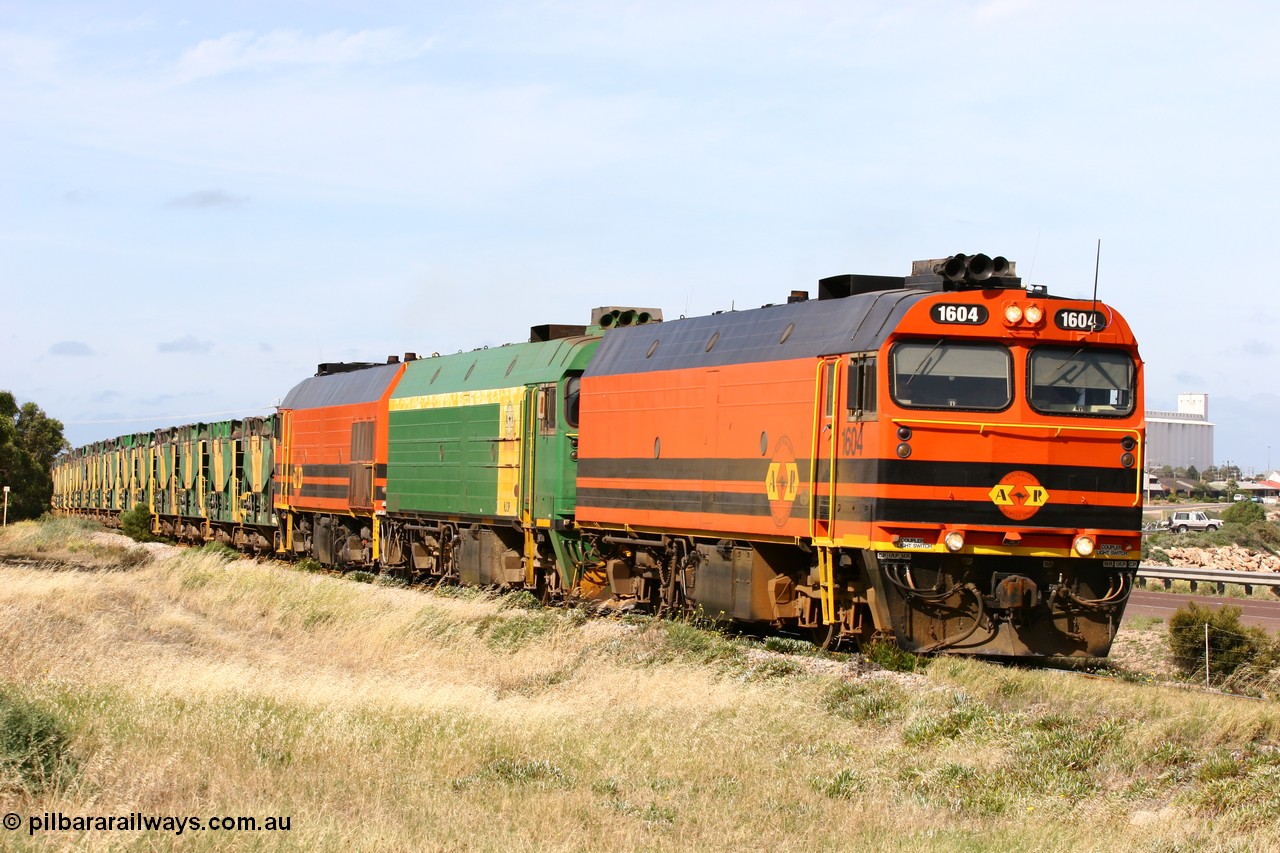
x=1016, y=592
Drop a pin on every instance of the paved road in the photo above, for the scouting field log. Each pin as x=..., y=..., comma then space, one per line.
x=1207, y=507
x=1254, y=611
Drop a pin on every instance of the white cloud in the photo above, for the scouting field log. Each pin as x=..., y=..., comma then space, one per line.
x=205, y=199
x=243, y=51
x=189, y=343
x=77, y=349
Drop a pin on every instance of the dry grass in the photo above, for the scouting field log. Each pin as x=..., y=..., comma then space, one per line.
x=388, y=719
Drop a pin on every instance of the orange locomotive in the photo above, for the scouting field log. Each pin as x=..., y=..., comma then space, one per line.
x=331, y=463
x=949, y=460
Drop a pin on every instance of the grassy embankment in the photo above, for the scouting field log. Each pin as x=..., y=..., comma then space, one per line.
x=380, y=718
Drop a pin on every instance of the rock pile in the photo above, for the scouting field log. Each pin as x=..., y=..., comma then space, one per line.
x=1232, y=557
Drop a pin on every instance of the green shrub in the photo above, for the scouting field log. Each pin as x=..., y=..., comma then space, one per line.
x=1231, y=645
x=773, y=668
x=516, y=771
x=517, y=630
x=689, y=642
x=520, y=599
x=1260, y=535
x=33, y=745
x=454, y=590
x=222, y=551
x=946, y=726
x=791, y=646
x=136, y=524
x=877, y=701
x=889, y=656
x=1244, y=512
x=845, y=785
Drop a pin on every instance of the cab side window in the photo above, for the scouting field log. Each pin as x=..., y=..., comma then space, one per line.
x=572, y=400
x=861, y=395
x=547, y=409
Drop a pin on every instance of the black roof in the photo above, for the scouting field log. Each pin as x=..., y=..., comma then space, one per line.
x=341, y=389
x=858, y=323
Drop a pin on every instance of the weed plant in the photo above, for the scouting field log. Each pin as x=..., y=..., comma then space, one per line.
x=513, y=631
x=34, y=745
x=891, y=657
x=686, y=642
x=520, y=599
x=219, y=551
x=876, y=701
x=791, y=646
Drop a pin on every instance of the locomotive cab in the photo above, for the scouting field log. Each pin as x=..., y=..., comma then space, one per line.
x=1009, y=515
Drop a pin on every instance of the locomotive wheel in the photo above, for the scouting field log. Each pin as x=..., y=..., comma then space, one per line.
x=825, y=637
x=547, y=586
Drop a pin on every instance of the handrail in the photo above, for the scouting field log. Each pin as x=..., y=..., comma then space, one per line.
x=982, y=426
x=820, y=414
x=834, y=391
x=813, y=452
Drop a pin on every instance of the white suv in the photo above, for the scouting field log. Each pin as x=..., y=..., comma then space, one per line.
x=1184, y=520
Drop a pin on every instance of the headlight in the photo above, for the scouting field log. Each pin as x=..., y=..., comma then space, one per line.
x=1084, y=546
x=1012, y=314
x=1034, y=314
x=954, y=541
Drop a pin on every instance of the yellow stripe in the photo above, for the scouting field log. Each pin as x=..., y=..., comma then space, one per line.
x=452, y=399
x=510, y=416
x=988, y=551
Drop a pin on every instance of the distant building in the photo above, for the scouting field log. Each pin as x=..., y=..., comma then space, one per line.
x=1182, y=438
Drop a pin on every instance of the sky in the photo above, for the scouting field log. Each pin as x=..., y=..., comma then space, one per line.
x=201, y=202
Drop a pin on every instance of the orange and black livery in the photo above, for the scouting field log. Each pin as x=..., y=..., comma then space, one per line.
x=949, y=458
x=331, y=463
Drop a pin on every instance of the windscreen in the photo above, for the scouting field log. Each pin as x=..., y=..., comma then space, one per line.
x=1082, y=380
x=945, y=375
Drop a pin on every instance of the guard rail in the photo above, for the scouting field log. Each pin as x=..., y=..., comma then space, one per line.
x=1218, y=577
